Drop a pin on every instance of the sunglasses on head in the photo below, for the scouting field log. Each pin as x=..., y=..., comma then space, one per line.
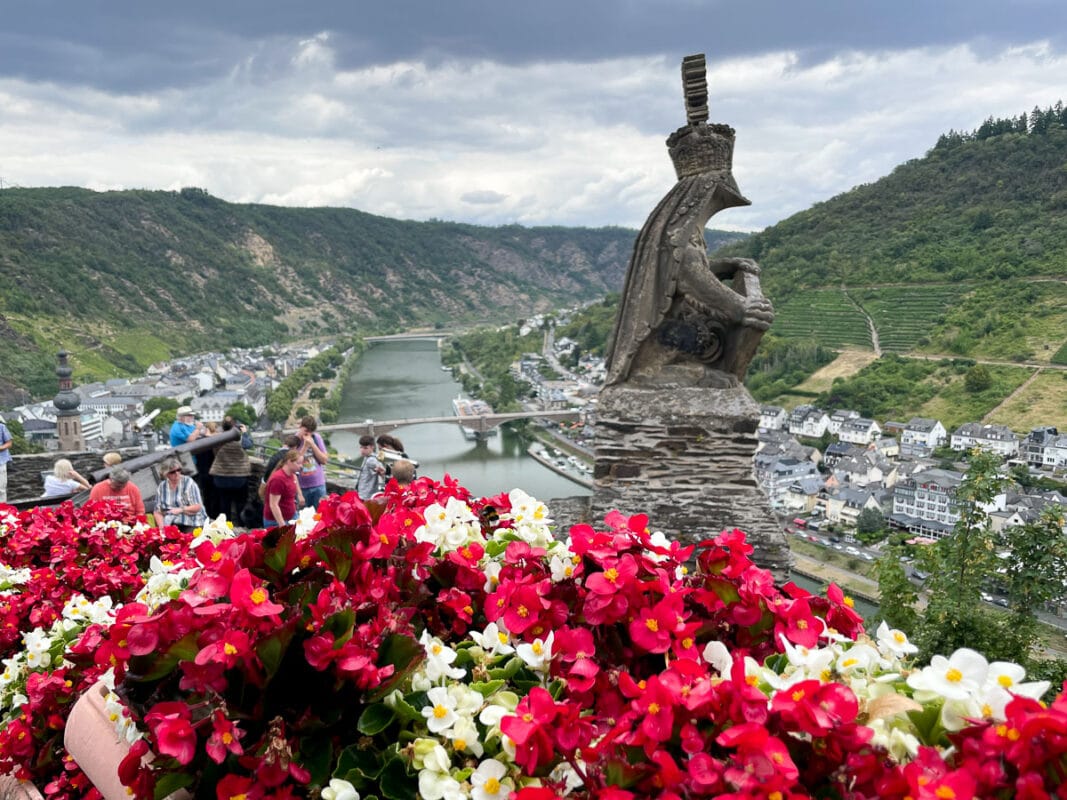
x=174, y=471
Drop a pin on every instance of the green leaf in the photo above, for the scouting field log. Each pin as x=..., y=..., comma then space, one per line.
x=405, y=654
x=271, y=651
x=406, y=712
x=276, y=557
x=356, y=764
x=340, y=626
x=172, y=782
x=487, y=688
x=396, y=783
x=375, y=719
x=317, y=755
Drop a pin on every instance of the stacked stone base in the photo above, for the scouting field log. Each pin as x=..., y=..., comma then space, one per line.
x=684, y=457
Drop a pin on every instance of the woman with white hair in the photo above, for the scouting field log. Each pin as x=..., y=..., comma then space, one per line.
x=64, y=480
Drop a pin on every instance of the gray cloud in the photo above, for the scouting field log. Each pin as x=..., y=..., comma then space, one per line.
x=483, y=197
x=552, y=114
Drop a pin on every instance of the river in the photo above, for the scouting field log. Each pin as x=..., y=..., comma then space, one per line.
x=401, y=379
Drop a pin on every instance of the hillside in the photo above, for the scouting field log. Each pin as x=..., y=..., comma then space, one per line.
x=122, y=279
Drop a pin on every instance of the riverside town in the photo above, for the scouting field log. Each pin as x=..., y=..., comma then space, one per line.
x=348, y=456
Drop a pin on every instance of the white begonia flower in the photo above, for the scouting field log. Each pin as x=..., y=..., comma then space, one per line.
x=492, y=575
x=809, y=662
x=465, y=738
x=450, y=526
x=489, y=781
x=306, y=521
x=894, y=642
x=860, y=658
x=1009, y=676
x=955, y=678
x=761, y=674
x=493, y=640
x=435, y=782
x=561, y=567
x=895, y=736
x=339, y=790
x=537, y=654
x=37, y=643
x=566, y=773
x=718, y=655
x=441, y=713
x=500, y=705
x=468, y=702
x=439, y=658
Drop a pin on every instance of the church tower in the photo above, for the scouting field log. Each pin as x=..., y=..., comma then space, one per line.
x=68, y=418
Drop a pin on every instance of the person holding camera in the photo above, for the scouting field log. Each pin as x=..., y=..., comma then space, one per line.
x=313, y=454
x=186, y=427
x=230, y=471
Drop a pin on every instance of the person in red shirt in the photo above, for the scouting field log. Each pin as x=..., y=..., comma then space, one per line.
x=118, y=489
x=280, y=505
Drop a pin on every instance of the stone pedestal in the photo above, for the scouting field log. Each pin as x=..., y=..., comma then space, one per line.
x=684, y=457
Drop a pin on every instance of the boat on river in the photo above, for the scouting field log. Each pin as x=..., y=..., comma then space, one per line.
x=464, y=407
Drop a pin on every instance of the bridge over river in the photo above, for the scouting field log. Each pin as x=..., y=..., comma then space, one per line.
x=481, y=424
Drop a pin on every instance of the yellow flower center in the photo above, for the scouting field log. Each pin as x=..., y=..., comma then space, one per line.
x=440, y=711
x=503, y=637
x=1005, y=681
x=899, y=637
x=945, y=793
x=611, y=574
x=460, y=744
x=227, y=737
x=523, y=612
x=652, y=625
x=802, y=624
x=798, y=695
x=953, y=675
x=258, y=596
x=229, y=649
x=491, y=786
x=216, y=556
x=436, y=649
x=653, y=708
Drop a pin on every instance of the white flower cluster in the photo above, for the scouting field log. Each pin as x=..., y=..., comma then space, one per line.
x=8, y=522
x=971, y=687
x=10, y=578
x=529, y=519
x=117, y=712
x=449, y=527
x=464, y=723
x=164, y=582
x=44, y=649
x=887, y=687
x=120, y=527
x=214, y=531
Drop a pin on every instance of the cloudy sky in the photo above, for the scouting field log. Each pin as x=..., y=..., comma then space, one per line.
x=540, y=113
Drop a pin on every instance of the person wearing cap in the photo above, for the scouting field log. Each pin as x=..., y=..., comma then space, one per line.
x=185, y=428
x=118, y=489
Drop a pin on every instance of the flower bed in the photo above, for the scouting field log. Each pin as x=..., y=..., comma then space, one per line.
x=441, y=646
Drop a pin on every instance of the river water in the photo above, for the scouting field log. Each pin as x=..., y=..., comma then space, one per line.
x=401, y=379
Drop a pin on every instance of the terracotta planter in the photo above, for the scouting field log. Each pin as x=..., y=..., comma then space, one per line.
x=93, y=743
x=14, y=789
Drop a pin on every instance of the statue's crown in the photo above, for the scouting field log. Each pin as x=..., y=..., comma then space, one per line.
x=700, y=147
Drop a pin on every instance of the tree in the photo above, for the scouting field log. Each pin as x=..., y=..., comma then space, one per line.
x=897, y=595
x=19, y=443
x=870, y=520
x=162, y=403
x=977, y=379
x=242, y=412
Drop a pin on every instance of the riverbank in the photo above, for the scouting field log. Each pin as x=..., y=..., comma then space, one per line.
x=539, y=455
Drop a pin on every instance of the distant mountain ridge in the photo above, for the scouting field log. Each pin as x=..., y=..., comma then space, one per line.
x=122, y=279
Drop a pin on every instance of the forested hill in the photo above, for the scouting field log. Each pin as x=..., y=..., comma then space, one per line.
x=122, y=279
x=989, y=204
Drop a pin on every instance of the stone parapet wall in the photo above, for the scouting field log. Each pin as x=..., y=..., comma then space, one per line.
x=684, y=457
x=24, y=481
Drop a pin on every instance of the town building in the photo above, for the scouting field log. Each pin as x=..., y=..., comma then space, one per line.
x=991, y=438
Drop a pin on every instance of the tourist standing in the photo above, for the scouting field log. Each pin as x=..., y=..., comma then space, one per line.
x=118, y=489
x=229, y=474
x=64, y=480
x=290, y=442
x=280, y=504
x=367, y=485
x=178, y=500
x=313, y=452
x=204, y=460
x=185, y=428
x=5, y=458
x=403, y=473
